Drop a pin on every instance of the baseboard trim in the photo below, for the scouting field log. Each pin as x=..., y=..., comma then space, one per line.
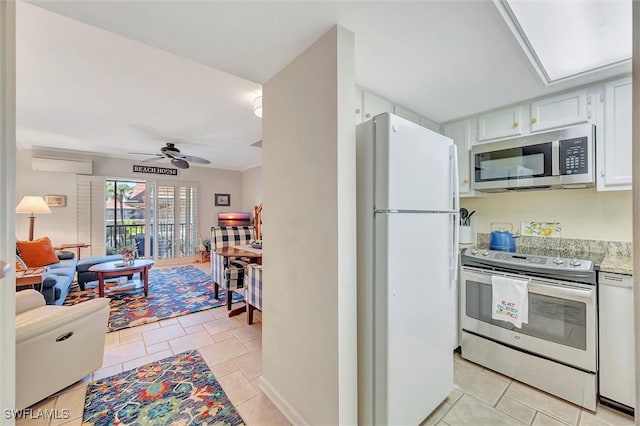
x=285, y=408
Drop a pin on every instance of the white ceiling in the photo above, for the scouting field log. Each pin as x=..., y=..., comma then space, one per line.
x=187, y=71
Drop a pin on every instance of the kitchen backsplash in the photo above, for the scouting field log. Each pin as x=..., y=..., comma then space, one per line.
x=583, y=213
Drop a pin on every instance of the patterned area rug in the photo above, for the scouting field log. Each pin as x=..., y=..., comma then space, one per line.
x=173, y=292
x=179, y=390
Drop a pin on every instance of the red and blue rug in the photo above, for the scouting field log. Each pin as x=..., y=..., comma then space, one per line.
x=173, y=292
x=179, y=390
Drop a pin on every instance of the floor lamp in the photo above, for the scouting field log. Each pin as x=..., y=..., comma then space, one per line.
x=32, y=205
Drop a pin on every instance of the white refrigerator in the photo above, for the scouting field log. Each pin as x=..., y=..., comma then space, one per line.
x=407, y=203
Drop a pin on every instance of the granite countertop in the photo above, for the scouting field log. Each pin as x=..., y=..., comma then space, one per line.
x=610, y=256
x=617, y=263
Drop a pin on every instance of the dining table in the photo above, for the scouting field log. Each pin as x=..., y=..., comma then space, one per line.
x=239, y=251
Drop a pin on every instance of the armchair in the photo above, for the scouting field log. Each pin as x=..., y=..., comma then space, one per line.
x=56, y=345
x=228, y=272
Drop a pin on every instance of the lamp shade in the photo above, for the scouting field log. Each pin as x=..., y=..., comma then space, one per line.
x=257, y=106
x=31, y=204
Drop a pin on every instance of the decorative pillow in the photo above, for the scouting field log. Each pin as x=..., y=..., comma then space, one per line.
x=37, y=253
x=20, y=265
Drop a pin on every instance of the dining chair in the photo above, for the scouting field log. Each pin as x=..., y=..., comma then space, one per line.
x=253, y=290
x=228, y=272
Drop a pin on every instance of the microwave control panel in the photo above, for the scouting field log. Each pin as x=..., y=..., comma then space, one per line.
x=574, y=156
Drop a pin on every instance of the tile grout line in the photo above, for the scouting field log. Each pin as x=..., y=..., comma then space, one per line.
x=504, y=391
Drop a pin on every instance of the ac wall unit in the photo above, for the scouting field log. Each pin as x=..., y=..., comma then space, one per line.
x=79, y=167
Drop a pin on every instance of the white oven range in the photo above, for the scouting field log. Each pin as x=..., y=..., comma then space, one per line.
x=556, y=351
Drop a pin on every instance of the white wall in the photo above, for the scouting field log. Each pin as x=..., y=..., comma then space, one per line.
x=309, y=328
x=61, y=225
x=7, y=203
x=251, y=188
x=583, y=213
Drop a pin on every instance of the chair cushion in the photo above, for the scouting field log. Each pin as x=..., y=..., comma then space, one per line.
x=37, y=253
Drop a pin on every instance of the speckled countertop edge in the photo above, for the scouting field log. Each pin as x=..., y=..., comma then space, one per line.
x=616, y=255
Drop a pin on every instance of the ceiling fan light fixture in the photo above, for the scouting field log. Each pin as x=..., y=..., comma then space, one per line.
x=179, y=163
x=257, y=106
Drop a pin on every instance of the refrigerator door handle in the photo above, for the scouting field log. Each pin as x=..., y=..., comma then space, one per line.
x=455, y=183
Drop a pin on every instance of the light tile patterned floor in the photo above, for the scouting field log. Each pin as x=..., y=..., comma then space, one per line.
x=232, y=349
x=484, y=397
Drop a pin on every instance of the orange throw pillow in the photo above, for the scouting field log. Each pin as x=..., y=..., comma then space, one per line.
x=37, y=253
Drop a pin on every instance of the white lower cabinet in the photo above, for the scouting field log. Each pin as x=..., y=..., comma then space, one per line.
x=616, y=337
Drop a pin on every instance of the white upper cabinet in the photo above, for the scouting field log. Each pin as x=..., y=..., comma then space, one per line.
x=558, y=111
x=405, y=113
x=430, y=124
x=460, y=132
x=373, y=105
x=500, y=124
x=615, y=162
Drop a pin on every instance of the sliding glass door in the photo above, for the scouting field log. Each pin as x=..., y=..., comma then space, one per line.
x=159, y=218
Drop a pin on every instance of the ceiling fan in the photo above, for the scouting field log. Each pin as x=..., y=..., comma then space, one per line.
x=178, y=159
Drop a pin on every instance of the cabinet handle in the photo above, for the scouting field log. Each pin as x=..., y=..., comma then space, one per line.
x=534, y=120
x=357, y=110
x=516, y=124
x=368, y=115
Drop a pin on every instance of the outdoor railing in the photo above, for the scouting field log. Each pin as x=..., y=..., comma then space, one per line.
x=119, y=236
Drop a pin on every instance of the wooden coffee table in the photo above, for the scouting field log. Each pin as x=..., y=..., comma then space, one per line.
x=119, y=269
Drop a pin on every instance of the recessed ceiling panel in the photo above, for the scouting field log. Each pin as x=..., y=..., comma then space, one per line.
x=565, y=39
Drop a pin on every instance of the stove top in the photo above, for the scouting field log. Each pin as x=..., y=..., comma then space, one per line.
x=546, y=264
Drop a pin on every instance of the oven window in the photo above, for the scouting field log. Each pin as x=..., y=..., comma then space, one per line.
x=550, y=318
x=515, y=163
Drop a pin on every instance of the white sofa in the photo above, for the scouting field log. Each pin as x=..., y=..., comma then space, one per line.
x=56, y=345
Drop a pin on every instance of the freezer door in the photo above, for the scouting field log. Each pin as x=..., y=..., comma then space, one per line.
x=412, y=166
x=413, y=320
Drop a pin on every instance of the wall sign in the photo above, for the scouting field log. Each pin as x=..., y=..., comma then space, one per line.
x=155, y=170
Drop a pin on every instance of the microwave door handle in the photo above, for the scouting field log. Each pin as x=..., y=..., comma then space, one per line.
x=555, y=158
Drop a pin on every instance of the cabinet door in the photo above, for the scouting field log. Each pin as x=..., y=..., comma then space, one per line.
x=373, y=105
x=616, y=337
x=500, y=124
x=558, y=111
x=616, y=169
x=403, y=112
x=460, y=132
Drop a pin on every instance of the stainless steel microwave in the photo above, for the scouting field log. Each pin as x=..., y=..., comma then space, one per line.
x=562, y=158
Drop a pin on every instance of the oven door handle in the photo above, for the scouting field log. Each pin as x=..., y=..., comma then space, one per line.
x=561, y=291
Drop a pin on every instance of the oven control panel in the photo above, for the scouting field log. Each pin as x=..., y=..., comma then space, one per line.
x=542, y=262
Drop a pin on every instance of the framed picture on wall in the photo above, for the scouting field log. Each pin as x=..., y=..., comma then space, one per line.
x=55, y=200
x=223, y=199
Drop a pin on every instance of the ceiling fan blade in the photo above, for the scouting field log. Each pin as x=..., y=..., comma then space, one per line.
x=192, y=159
x=143, y=153
x=148, y=160
x=179, y=163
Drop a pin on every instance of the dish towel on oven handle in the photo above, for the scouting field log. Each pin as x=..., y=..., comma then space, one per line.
x=510, y=300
